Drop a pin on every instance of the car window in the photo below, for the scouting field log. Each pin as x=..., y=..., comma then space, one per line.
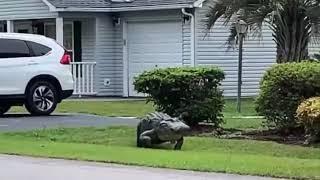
x=38, y=49
x=13, y=48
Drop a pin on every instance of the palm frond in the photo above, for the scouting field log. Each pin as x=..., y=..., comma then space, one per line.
x=294, y=23
x=232, y=39
x=313, y=15
x=217, y=8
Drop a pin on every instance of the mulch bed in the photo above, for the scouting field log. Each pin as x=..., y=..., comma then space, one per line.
x=259, y=135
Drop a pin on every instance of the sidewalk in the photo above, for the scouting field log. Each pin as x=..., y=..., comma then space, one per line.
x=26, y=168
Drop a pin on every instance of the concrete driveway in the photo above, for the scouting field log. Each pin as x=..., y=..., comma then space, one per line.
x=22, y=122
x=18, y=168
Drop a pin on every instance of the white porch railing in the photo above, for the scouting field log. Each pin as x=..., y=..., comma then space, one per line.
x=83, y=74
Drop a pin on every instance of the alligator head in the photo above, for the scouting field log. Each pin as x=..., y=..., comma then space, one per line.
x=172, y=129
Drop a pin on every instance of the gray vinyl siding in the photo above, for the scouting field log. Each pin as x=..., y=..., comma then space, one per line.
x=24, y=9
x=314, y=47
x=186, y=37
x=109, y=47
x=118, y=60
x=211, y=49
x=106, y=57
x=88, y=40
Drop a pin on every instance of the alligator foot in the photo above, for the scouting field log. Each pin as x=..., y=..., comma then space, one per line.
x=311, y=139
x=179, y=144
x=145, y=142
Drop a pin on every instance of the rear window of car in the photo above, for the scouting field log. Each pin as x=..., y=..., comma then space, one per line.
x=38, y=49
x=13, y=48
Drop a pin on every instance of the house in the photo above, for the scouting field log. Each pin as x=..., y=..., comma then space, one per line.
x=126, y=37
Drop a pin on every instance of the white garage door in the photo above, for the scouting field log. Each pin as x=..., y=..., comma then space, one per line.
x=153, y=44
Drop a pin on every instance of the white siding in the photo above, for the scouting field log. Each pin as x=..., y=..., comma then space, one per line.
x=24, y=9
x=118, y=60
x=186, y=37
x=166, y=15
x=109, y=47
x=88, y=40
x=211, y=49
x=153, y=44
x=109, y=65
x=314, y=47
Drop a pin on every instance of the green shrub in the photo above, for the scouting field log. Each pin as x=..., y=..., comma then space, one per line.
x=283, y=88
x=308, y=114
x=193, y=92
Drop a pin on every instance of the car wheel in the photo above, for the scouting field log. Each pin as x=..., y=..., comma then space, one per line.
x=41, y=98
x=4, y=109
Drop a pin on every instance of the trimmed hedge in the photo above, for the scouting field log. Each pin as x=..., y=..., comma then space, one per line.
x=283, y=88
x=308, y=114
x=193, y=92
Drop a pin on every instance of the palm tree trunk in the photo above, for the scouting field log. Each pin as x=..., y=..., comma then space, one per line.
x=291, y=33
x=297, y=52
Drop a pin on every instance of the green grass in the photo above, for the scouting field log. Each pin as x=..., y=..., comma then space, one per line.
x=112, y=109
x=140, y=108
x=117, y=145
x=135, y=108
x=247, y=108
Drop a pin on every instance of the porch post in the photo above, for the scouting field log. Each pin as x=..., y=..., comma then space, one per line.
x=10, y=26
x=59, y=30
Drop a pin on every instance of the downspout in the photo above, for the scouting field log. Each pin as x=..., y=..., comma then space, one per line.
x=193, y=57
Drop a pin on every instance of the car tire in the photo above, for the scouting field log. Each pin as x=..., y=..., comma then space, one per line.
x=4, y=109
x=41, y=98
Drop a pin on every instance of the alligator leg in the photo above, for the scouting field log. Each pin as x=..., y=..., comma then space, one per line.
x=145, y=139
x=312, y=137
x=145, y=142
x=179, y=144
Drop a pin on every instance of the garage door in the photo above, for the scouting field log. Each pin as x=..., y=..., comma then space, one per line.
x=151, y=45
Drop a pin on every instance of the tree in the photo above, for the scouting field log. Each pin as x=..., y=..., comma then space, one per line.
x=294, y=23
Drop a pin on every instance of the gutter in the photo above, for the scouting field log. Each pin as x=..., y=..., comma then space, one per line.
x=123, y=9
x=193, y=27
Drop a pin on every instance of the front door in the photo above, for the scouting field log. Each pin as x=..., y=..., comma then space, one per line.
x=77, y=42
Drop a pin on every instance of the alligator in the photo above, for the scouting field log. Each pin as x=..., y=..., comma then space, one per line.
x=157, y=128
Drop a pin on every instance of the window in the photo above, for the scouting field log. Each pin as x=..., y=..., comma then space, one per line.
x=38, y=49
x=3, y=26
x=12, y=48
x=50, y=30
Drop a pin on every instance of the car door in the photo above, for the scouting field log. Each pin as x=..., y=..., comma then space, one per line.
x=15, y=61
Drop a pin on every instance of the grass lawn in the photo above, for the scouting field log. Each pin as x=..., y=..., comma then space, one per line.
x=117, y=145
x=140, y=108
x=133, y=108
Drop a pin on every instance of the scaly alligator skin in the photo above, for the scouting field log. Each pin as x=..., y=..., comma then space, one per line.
x=158, y=128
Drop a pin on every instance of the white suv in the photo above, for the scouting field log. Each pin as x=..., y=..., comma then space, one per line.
x=34, y=71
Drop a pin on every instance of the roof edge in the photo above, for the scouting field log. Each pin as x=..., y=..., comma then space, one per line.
x=51, y=6
x=199, y=3
x=122, y=9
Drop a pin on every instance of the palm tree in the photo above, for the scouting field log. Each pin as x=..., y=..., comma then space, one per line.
x=294, y=23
